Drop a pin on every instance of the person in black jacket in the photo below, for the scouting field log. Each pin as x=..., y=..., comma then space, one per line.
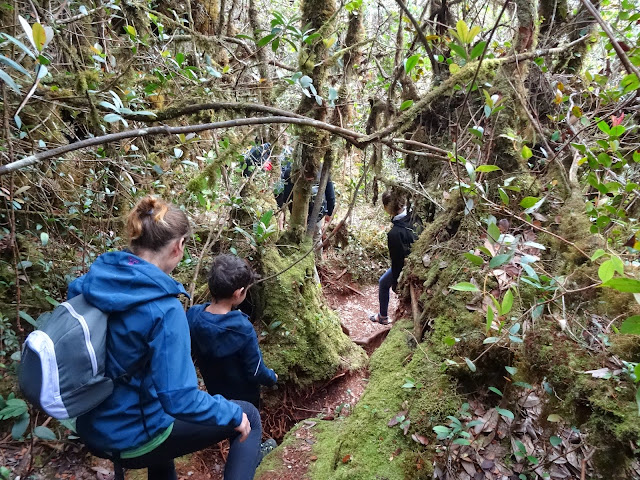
x=399, y=240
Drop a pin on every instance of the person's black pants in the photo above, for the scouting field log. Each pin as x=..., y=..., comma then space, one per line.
x=188, y=437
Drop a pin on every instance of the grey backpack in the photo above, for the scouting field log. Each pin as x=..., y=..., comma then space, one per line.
x=63, y=362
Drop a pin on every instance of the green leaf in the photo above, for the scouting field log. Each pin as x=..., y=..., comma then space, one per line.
x=305, y=81
x=19, y=44
x=597, y=254
x=606, y=271
x=442, y=430
x=25, y=316
x=411, y=62
x=477, y=50
x=465, y=287
x=507, y=303
x=526, y=152
x=511, y=370
x=627, y=285
x=112, y=117
x=475, y=259
x=631, y=326
x=264, y=40
x=44, y=433
x=460, y=51
x=488, y=168
x=494, y=231
x=406, y=104
x=602, y=125
x=495, y=390
x=14, y=65
x=618, y=266
x=503, y=196
x=498, y=260
x=554, y=417
x=528, y=202
x=449, y=341
x=638, y=399
x=490, y=340
x=9, y=81
x=130, y=29
x=15, y=407
x=461, y=441
x=555, y=441
x=20, y=426
x=490, y=316
x=505, y=413
x=470, y=364
x=463, y=30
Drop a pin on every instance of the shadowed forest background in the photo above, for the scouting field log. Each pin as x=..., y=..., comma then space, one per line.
x=511, y=128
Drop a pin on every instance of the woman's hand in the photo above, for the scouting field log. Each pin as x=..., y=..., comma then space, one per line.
x=244, y=428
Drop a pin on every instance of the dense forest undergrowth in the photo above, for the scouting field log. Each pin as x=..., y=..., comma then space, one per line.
x=510, y=127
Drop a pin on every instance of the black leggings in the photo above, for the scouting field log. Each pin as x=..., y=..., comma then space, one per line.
x=188, y=437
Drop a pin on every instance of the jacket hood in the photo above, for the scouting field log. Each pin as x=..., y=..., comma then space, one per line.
x=119, y=281
x=405, y=221
x=235, y=325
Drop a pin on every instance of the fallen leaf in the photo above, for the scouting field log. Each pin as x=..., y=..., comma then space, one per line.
x=420, y=438
x=346, y=458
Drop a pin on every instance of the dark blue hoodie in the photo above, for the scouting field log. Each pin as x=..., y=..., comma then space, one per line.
x=144, y=312
x=227, y=352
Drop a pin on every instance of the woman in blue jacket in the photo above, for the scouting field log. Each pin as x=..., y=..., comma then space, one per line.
x=159, y=414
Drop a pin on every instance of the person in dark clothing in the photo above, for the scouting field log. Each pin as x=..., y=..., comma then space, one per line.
x=258, y=157
x=159, y=414
x=225, y=345
x=399, y=240
x=328, y=202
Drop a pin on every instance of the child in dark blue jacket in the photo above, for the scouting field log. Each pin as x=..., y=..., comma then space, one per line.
x=225, y=344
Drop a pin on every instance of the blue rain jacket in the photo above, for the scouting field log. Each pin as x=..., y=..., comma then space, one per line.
x=144, y=313
x=227, y=353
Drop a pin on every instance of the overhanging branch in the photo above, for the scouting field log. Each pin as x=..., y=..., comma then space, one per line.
x=349, y=135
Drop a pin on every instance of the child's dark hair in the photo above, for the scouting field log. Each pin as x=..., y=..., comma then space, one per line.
x=229, y=273
x=394, y=200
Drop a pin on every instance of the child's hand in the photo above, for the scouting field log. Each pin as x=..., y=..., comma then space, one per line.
x=244, y=428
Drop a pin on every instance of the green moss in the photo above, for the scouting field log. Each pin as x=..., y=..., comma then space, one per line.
x=365, y=437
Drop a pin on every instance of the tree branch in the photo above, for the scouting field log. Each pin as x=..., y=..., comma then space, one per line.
x=434, y=64
x=174, y=112
x=349, y=135
x=616, y=46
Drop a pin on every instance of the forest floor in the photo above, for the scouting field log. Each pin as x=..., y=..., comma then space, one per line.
x=335, y=398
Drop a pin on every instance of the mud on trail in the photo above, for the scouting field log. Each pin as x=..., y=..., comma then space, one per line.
x=334, y=398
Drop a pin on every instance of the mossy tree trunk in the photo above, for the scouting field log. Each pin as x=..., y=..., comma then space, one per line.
x=319, y=15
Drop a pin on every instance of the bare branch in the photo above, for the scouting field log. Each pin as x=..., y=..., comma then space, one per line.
x=349, y=135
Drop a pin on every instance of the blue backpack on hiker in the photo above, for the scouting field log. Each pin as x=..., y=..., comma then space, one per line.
x=62, y=370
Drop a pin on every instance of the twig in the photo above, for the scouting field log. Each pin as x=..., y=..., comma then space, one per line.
x=614, y=43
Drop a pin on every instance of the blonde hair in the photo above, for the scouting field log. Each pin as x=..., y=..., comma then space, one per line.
x=153, y=223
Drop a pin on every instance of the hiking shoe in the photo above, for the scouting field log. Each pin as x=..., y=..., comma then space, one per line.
x=266, y=447
x=376, y=318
